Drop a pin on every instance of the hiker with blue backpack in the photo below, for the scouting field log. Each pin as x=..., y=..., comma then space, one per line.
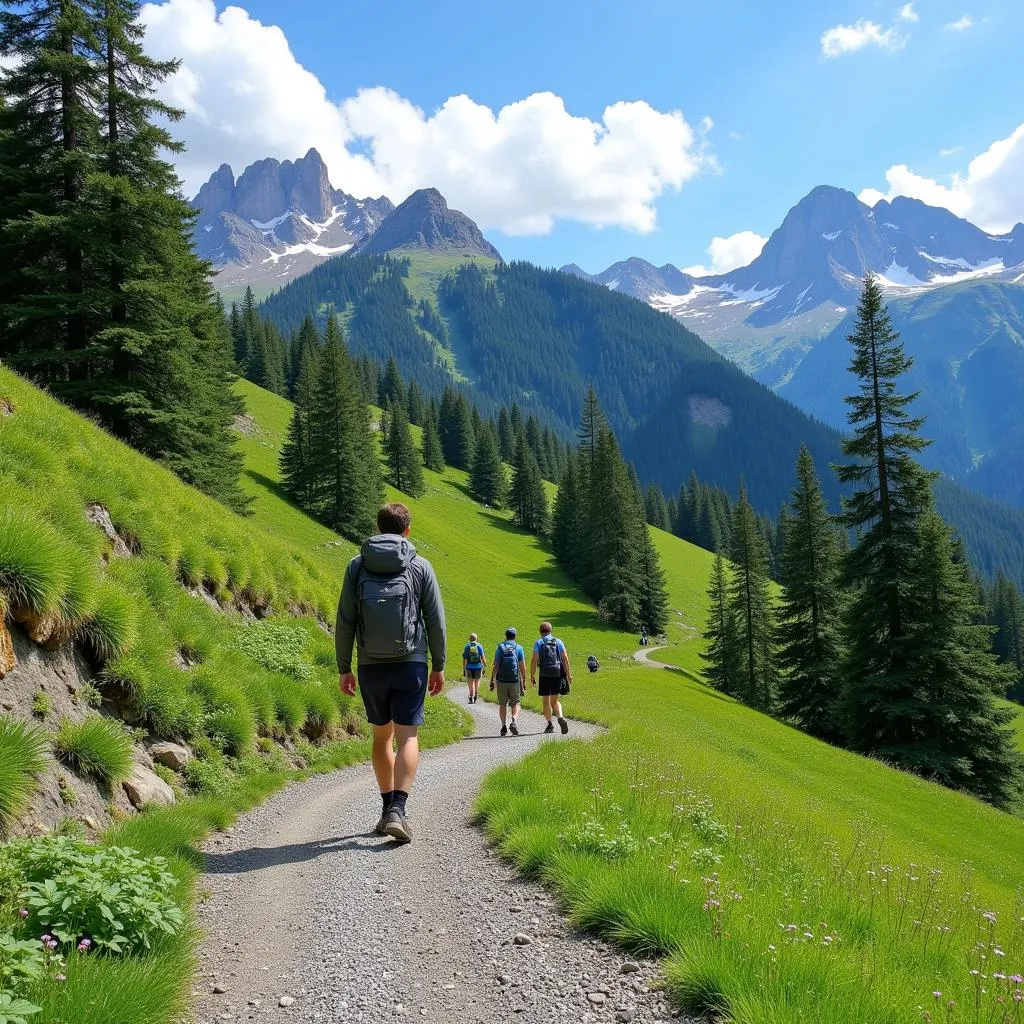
x=549, y=655
x=474, y=661
x=508, y=672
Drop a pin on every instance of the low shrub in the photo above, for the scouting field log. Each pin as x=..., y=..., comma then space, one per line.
x=41, y=705
x=95, y=746
x=209, y=776
x=279, y=645
x=25, y=962
x=33, y=562
x=108, y=898
x=22, y=757
x=113, y=628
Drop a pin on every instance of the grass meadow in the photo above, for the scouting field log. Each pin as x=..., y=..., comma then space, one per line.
x=780, y=878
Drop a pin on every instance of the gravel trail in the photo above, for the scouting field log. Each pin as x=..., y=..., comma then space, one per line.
x=643, y=656
x=311, y=918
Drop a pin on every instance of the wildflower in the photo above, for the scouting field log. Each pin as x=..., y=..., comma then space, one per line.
x=1018, y=995
x=84, y=945
x=771, y=948
x=808, y=935
x=937, y=995
x=1017, y=979
x=989, y=916
x=791, y=928
x=975, y=972
x=22, y=913
x=998, y=951
x=712, y=904
x=44, y=939
x=60, y=977
x=999, y=976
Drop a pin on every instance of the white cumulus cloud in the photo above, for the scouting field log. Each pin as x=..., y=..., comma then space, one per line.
x=849, y=38
x=961, y=24
x=990, y=193
x=518, y=169
x=908, y=13
x=729, y=253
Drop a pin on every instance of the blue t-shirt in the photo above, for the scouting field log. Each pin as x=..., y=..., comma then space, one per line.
x=471, y=663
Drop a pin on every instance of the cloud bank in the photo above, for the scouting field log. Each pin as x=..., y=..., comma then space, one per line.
x=990, y=193
x=843, y=39
x=729, y=253
x=517, y=169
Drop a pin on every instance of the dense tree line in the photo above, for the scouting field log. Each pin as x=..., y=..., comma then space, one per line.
x=599, y=530
x=883, y=646
x=102, y=299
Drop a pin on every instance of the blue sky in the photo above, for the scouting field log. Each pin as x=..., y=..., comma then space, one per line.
x=785, y=116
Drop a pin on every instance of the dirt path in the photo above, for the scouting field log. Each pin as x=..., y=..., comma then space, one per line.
x=643, y=656
x=309, y=909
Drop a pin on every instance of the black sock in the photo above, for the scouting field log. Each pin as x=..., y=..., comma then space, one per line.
x=398, y=799
x=387, y=798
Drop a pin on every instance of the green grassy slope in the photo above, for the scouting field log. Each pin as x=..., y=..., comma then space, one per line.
x=787, y=880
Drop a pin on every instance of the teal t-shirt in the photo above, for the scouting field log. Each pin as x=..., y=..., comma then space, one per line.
x=474, y=658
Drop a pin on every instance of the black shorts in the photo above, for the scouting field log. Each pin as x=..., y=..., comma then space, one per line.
x=549, y=686
x=474, y=673
x=394, y=693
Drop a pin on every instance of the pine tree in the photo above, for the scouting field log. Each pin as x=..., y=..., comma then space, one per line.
x=722, y=654
x=1006, y=616
x=433, y=456
x=344, y=472
x=296, y=474
x=391, y=386
x=891, y=494
x=416, y=405
x=506, y=437
x=487, y=474
x=105, y=302
x=750, y=603
x=248, y=338
x=307, y=339
x=592, y=423
x=954, y=731
x=402, y=455
x=655, y=508
x=810, y=652
x=567, y=519
x=464, y=436
x=527, y=496
x=653, y=589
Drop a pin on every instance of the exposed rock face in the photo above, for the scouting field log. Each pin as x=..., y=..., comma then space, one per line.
x=424, y=221
x=278, y=220
x=99, y=516
x=8, y=658
x=145, y=788
x=171, y=755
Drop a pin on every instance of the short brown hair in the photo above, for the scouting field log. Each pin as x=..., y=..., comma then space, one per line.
x=545, y=628
x=394, y=518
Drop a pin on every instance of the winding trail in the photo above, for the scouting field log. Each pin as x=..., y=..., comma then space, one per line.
x=643, y=656
x=308, y=908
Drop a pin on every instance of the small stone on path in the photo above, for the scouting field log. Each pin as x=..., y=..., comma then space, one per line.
x=597, y=998
x=522, y=939
x=629, y=967
x=286, y=1001
x=219, y=990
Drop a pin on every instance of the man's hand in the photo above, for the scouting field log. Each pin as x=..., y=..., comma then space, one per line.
x=347, y=683
x=533, y=681
x=491, y=687
x=435, y=684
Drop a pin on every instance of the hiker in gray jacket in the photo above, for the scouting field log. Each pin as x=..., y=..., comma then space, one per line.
x=391, y=608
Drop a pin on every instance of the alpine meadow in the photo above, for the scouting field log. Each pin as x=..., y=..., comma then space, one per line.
x=295, y=471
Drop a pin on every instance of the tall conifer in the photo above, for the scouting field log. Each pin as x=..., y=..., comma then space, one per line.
x=722, y=653
x=527, y=497
x=433, y=455
x=402, y=455
x=487, y=474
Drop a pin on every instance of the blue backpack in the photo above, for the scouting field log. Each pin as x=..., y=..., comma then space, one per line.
x=508, y=665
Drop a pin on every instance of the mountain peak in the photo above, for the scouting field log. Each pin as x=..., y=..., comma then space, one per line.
x=425, y=221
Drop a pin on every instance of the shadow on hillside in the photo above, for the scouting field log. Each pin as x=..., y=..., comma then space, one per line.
x=273, y=486
x=258, y=857
x=554, y=581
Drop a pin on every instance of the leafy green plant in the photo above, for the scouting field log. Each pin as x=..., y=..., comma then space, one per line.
x=90, y=695
x=14, y=1010
x=110, y=897
x=95, y=746
x=67, y=794
x=278, y=645
x=209, y=776
x=22, y=757
x=41, y=705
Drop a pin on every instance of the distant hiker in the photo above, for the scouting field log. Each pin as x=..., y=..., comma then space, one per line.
x=474, y=661
x=555, y=675
x=509, y=671
x=593, y=664
x=391, y=606
x=644, y=641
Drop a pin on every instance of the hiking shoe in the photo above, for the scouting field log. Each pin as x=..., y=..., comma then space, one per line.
x=504, y=731
x=396, y=826
x=550, y=728
x=563, y=725
x=378, y=829
x=514, y=729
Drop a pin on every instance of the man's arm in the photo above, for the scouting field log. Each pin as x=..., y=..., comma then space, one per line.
x=432, y=610
x=565, y=664
x=533, y=668
x=345, y=632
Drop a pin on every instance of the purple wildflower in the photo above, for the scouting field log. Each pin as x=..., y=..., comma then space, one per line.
x=84, y=945
x=23, y=913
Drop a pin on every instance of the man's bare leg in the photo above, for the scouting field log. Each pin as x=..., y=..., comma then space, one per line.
x=407, y=759
x=383, y=756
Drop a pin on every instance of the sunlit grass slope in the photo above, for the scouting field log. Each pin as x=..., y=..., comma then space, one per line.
x=785, y=879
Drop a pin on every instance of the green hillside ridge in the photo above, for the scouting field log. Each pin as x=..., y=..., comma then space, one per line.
x=693, y=798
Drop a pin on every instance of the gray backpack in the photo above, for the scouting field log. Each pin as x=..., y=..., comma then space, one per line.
x=389, y=613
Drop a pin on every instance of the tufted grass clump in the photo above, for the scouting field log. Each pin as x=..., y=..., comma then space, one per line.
x=22, y=758
x=113, y=627
x=33, y=562
x=96, y=746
